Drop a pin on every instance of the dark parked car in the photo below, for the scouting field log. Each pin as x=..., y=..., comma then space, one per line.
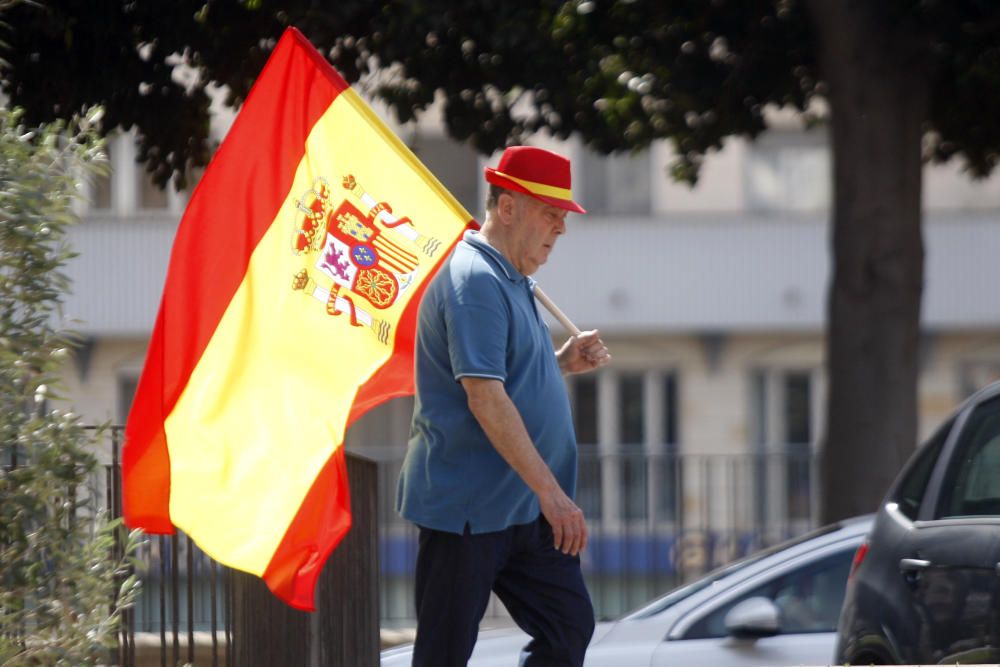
x=925, y=586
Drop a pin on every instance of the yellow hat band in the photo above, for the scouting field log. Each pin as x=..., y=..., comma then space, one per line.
x=540, y=188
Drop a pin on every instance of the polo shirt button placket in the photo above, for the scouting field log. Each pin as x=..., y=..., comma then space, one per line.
x=531, y=300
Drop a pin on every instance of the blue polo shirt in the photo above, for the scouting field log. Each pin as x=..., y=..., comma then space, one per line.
x=478, y=319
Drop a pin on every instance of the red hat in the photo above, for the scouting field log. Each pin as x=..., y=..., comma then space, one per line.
x=539, y=173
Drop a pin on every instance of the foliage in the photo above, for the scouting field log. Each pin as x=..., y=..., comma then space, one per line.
x=617, y=73
x=65, y=575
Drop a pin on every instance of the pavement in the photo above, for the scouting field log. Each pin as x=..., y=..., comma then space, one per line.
x=390, y=637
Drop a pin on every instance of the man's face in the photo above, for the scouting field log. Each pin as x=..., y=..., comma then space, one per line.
x=535, y=228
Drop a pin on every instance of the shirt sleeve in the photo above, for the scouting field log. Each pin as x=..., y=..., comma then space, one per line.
x=477, y=320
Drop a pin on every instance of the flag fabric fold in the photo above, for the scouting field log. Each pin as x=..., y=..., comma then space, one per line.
x=289, y=310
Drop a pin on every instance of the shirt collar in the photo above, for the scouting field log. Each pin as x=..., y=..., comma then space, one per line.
x=478, y=241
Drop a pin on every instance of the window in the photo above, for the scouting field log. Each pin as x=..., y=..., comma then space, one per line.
x=588, y=483
x=783, y=409
x=798, y=428
x=382, y=434
x=789, y=171
x=975, y=375
x=972, y=484
x=666, y=494
x=615, y=184
x=454, y=164
x=127, y=384
x=628, y=472
x=808, y=599
x=150, y=196
x=631, y=409
x=101, y=185
x=583, y=397
x=632, y=438
x=127, y=186
x=384, y=426
x=797, y=408
x=911, y=489
x=583, y=393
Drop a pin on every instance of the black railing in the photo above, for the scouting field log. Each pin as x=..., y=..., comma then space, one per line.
x=183, y=611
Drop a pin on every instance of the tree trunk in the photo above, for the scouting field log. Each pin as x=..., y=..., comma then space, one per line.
x=879, y=97
x=266, y=631
x=346, y=625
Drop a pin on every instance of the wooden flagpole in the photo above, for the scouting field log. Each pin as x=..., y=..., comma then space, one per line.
x=554, y=309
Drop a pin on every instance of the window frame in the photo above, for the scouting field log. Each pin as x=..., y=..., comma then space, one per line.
x=441, y=153
x=597, y=173
x=126, y=386
x=784, y=152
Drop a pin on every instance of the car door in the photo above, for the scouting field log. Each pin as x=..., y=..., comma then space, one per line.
x=949, y=560
x=807, y=594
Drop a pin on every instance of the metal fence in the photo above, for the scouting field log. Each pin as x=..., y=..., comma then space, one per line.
x=656, y=519
x=184, y=610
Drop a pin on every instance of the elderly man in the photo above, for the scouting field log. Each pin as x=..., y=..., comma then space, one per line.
x=490, y=473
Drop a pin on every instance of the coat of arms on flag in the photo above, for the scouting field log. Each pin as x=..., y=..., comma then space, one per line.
x=352, y=252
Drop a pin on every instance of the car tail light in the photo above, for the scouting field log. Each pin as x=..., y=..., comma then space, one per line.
x=859, y=556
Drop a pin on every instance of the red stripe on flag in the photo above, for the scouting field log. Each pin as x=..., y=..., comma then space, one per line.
x=320, y=523
x=231, y=209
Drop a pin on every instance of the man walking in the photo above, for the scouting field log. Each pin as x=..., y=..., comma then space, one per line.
x=490, y=472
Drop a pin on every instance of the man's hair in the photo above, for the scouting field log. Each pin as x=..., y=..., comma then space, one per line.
x=493, y=196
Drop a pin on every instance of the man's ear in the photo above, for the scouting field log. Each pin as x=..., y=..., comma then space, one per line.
x=505, y=207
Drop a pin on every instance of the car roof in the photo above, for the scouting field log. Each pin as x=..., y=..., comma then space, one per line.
x=987, y=392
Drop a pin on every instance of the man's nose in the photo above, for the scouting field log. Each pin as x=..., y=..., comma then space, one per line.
x=560, y=226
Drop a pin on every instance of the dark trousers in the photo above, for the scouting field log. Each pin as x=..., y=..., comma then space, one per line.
x=541, y=587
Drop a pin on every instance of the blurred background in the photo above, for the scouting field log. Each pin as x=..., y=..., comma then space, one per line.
x=702, y=441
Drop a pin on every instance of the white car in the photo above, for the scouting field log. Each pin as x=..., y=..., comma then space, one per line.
x=777, y=607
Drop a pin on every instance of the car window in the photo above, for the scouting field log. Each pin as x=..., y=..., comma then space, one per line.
x=972, y=484
x=808, y=599
x=910, y=492
x=670, y=599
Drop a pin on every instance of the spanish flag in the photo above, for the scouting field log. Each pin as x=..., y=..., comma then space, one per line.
x=289, y=310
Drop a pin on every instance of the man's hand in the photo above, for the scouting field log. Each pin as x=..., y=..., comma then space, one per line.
x=583, y=352
x=568, y=526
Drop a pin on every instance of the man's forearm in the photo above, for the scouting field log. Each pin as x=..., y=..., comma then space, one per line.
x=502, y=423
